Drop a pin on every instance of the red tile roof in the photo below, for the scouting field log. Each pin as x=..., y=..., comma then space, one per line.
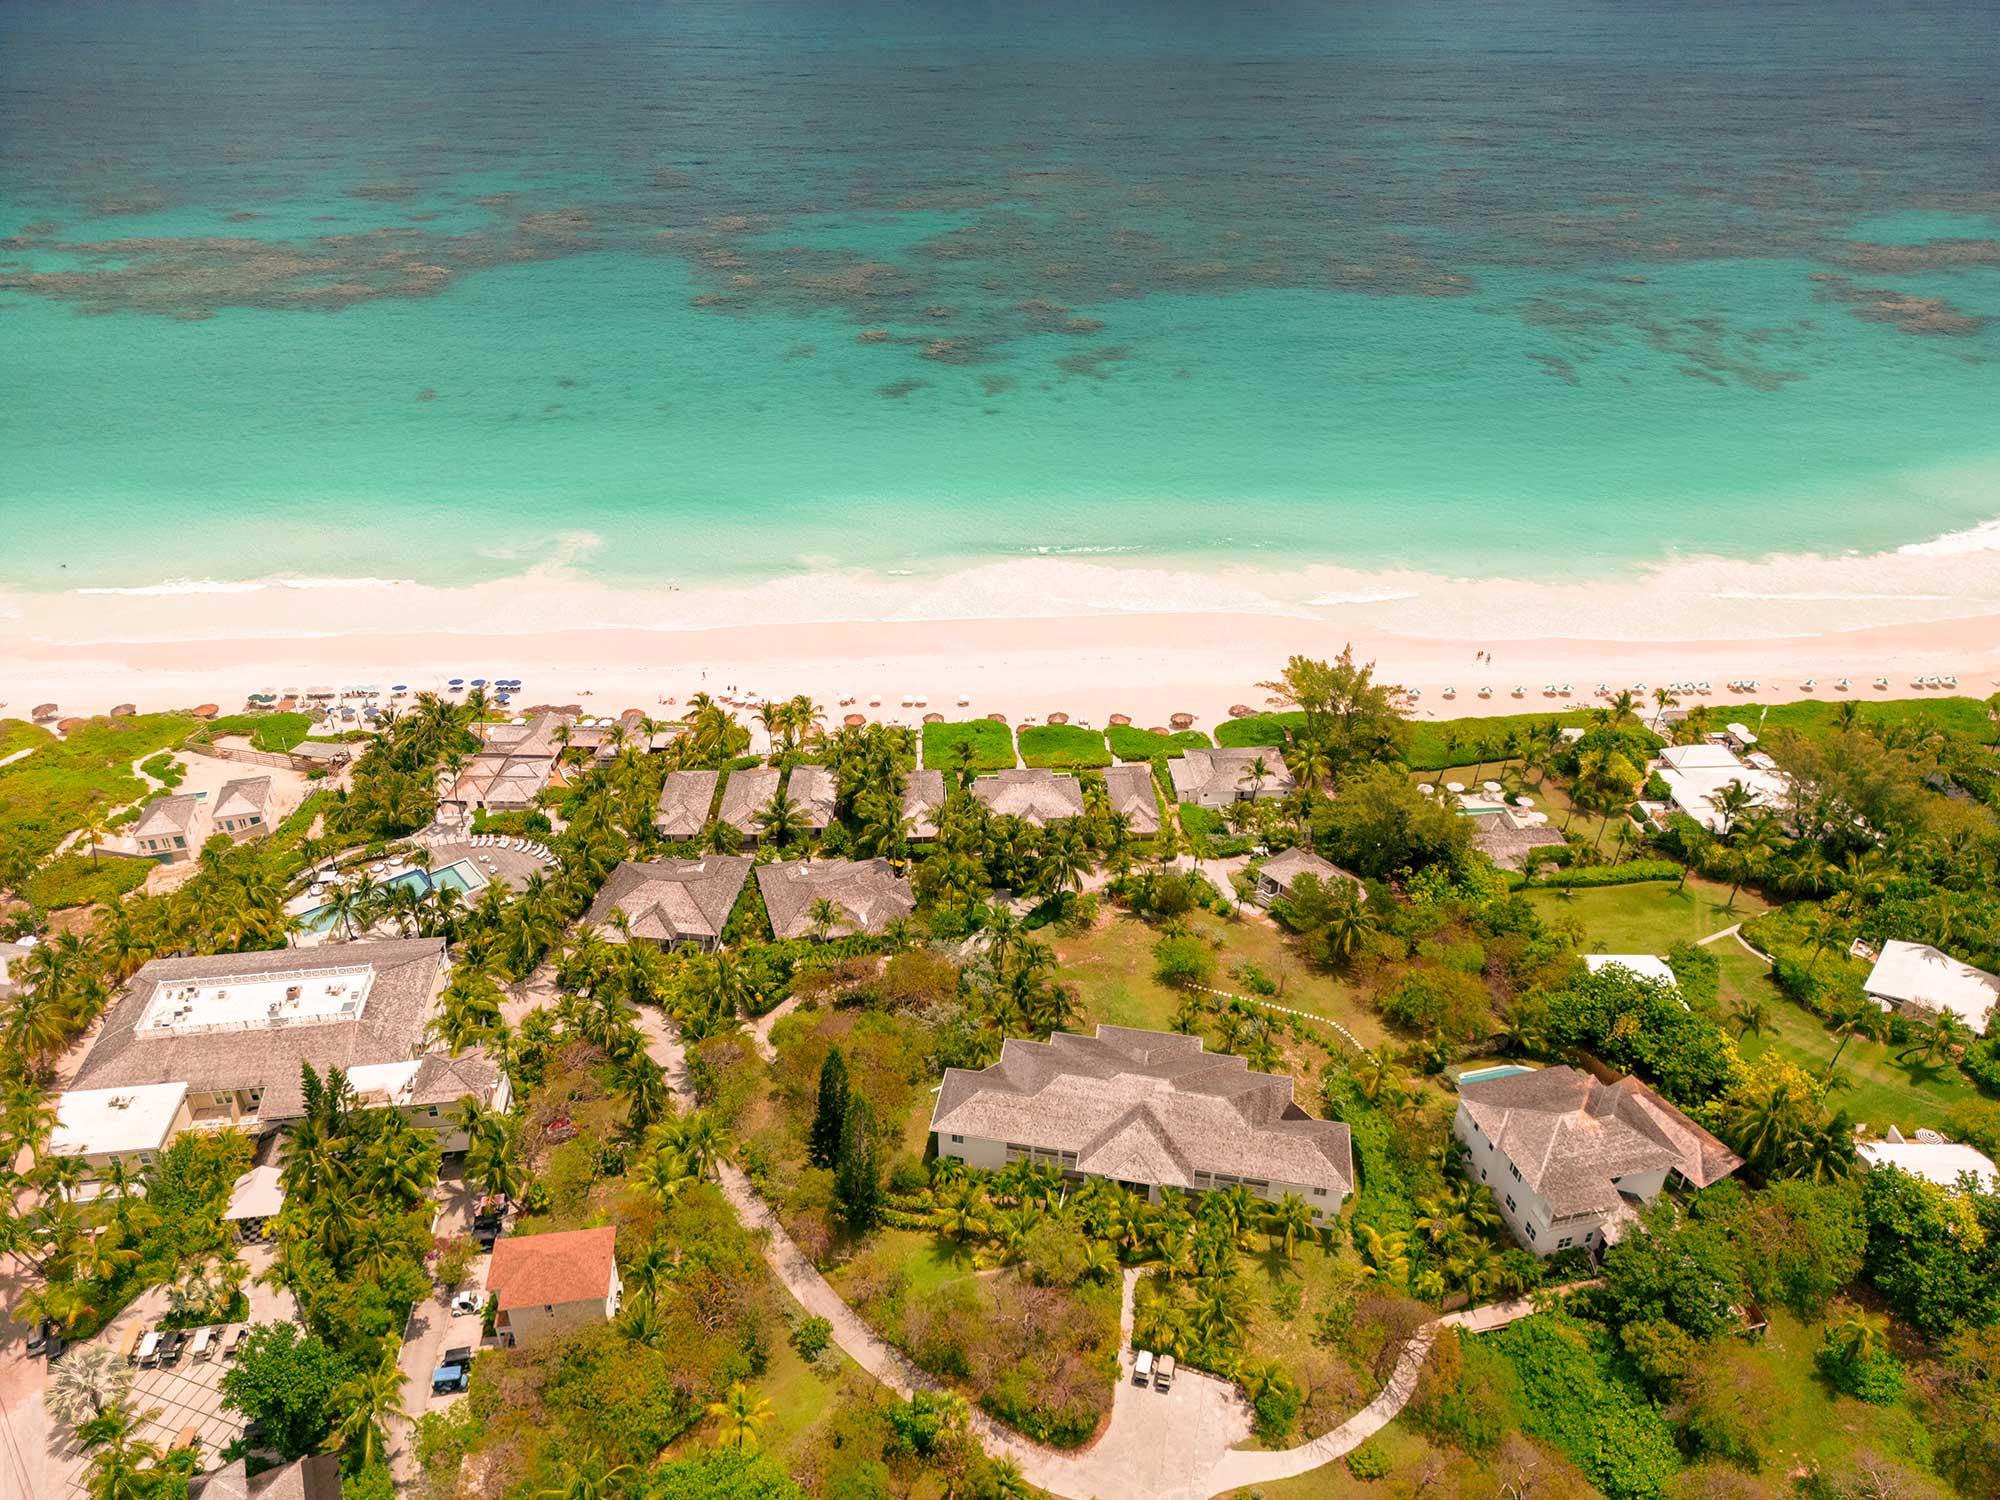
x=532, y=1270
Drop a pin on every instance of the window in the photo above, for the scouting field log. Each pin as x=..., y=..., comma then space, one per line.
x=1510, y=1202
x=958, y=1140
x=1515, y=1170
x=432, y=1111
x=1319, y=1192
x=1531, y=1231
x=1564, y=1243
x=1482, y=1174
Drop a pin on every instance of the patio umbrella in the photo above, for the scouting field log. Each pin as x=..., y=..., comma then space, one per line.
x=855, y=721
x=123, y=711
x=1119, y=721
x=64, y=726
x=1489, y=786
x=1524, y=800
x=45, y=710
x=1182, y=721
x=1058, y=718
x=964, y=699
x=1454, y=786
x=207, y=711
x=933, y=718
x=997, y=718
x=1427, y=789
x=457, y=682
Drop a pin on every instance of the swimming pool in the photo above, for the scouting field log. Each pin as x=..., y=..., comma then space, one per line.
x=461, y=876
x=1504, y=1070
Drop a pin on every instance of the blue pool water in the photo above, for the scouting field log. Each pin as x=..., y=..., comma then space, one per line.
x=460, y=877
x=1480, y=1075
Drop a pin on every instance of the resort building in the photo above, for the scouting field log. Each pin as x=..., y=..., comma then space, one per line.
x=1506, y=839
x=169, y=829
x=1569, y=1158
x=685, y=800
x=1131, y=794
x=1937, y=1160
x=672, y=902
x=313, y=1478
x=1037, y=798
x=546, y=1284
x=1916, y=976
x=1216, y=778
x=814, y=791
x=1148, y=1110
x=243, y=808
x=1697, y=774
x=10, y=955
x=232, y=1029
x=1282, y=871
x=867, y=895
x=428, y=1090
x=516, y=763
x=320, y=755
x=744, y=795
x=923, y=800
x=130, y=1125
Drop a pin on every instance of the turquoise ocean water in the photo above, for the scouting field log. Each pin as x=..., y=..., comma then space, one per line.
x=723, y=290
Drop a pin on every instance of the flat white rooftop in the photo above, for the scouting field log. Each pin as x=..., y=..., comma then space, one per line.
x=376, y=1084
x=305, y=996
x=106, y=1122
x=1934, y=1161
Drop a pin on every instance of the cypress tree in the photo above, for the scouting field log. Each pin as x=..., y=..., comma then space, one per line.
x=857, y=1183
x=829, y=1126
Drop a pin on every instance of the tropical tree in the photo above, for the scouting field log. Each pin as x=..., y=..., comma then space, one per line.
x=367, y=1401
x=739, y=1418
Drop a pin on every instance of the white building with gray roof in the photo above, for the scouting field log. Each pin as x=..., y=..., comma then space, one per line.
x=814, y=791
x=1148, y=1110
x=923, y=801
x=685, y=798
x=744, y=795
x=671, y=902
x=1036, y=797
x=867, y=895
x=1217, y=778
x=1570, y=1159
x=169, y=829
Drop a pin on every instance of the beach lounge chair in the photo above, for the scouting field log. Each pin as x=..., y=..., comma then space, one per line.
x=149, y=1350
x=203, y=1345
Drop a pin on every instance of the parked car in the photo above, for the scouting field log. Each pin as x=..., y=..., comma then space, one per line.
x=1142, y=1368
x=449, y=1379
x=462, y=1355
x=1163, y=1373
x=467, y=1302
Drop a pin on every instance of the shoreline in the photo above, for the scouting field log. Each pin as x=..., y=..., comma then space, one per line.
x=1089, y=667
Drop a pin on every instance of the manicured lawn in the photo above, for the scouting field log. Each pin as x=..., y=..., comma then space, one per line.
x=19, y=734
x=1405, y=1448
x=1446, y=742
x=1649, y=918
x=1062, y=747
x=47, y=795
x=1955, y=715
x=1129, y=742
x=802, y=1396
x=74, y=881
x=1883, y=1090
x=992, y=745
x=1112, y=968
x=1258, y=729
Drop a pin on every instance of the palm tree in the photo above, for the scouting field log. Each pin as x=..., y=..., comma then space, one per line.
x=823, y=916
x=1293, y=1221
x=1386, y=1256
x=782, y=821
x=370, y=1399
x=86, y=1383
x=589, y=1480
x=739, y=1417
x=1861, y=1017
x=122, y=1467
x=1943, y=1037
x=1752, y=1015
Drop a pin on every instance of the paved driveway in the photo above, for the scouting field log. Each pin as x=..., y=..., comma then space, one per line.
x=434, y=1328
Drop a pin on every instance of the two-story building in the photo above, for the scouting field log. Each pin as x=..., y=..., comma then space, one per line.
x=547, y=1284
x=1570, y=1159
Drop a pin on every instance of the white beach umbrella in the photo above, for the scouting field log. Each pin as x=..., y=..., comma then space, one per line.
x=1454, y=786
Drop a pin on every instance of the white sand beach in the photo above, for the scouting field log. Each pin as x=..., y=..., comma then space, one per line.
x=1026, y=638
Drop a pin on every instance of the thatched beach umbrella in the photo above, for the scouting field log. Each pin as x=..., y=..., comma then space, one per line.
x=207, y=711
x=66, y=726
x=1240, y=710
x=1157, y=729
x=1119, y=721
x=1058, y=718
x=45, y=711
x=855, y=721
x=997, y=718
x=933, y=718
x=1182, y=721
x=124, y=711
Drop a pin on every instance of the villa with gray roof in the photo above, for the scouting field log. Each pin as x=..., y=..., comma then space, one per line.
x=234, y=1027
x=1035, y=797
x=169, y=829
x=1284, y=869
x=515, y=763
x=685, y=798
x=1216, y=778
x=1132, y=794
x=1148, y=1110
x=814, y=791
x=243, y=807
x=867, y=894
x=672, y=901
x=744, y=795
x=923, y=800
x=1568, y=1158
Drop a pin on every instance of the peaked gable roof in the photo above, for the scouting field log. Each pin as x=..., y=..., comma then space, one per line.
x=1130, y=790
x=868, y=893
x=747, y=793
x=243, y=796
x=685, y=798
x=815, y=791
x=167, y=816
x=1035, y=796
x=923, y=800
x=672, y=900
x=535, y=1270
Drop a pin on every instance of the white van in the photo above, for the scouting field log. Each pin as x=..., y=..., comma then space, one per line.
x=203, y=1345
x=149, y=1350
x=1142, y=1368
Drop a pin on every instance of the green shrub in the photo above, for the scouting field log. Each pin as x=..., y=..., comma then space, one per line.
x=164, y=769
x=1368, y=1462
x=1131, y=743
x=1258, y=729
x=47, y=794
x=1570, y=1397
x=992, y=745
x=1455, y=742
x=811, y=1338
x=1063, y=747
x=1201, y=822
x=1632, y=872
x=274, y=733
x=73, y=880
x=1873, y=1375
x=1656, y=788
x=1183, y=962
x=526, y=824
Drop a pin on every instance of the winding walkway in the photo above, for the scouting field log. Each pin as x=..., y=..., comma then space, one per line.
x=1179, y=1445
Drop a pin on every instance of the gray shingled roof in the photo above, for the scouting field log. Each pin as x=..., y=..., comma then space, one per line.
x=1132, y=793
x=390, y=1027
x=246, y=794
x=1146, y=1106
x=1500, y=841
x=923, y=799
x=868, y=893
x=673, y=900
x=168, y=815
x=815, y=791
x=1035, y=796
x=1219, y=775
x=685, y=798
x=1287, y=865
x=1571, y=1136
x=746, y=794
x=444, y=1079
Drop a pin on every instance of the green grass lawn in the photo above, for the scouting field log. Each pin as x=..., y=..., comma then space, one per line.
x=1952, y=715
x=802, y=1395
x=276, y=733
x=1129, y=742
x=992, y=745
x=1062, y=747
x=47, y=795
x=19, y=734
x=74, y=880
x=1651, y=917
x=1112, y=968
